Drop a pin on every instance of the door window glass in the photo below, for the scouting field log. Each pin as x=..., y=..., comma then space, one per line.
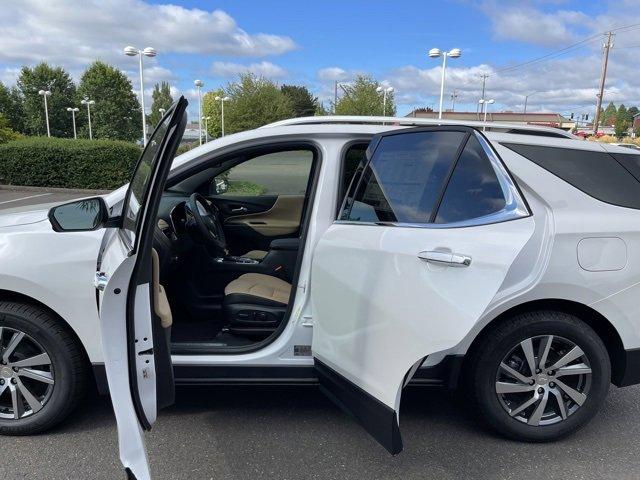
x=405, y=177
x=474, y=190
x=141, y=178
x=278, y=173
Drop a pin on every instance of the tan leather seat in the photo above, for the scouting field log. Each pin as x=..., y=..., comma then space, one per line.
x=263, y=287
x=255, y=255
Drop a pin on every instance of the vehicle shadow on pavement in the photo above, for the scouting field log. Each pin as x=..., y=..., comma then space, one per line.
x=296, y=433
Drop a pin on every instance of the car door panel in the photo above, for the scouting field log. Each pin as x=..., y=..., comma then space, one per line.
x=387, y=295
x=134, y=319
x=283, y=218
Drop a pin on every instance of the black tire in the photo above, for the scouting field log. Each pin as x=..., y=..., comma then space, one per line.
x=493, y=348
x=67, y=360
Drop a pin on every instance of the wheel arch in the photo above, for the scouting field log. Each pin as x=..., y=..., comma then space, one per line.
x=598, y=322
x=12, y=296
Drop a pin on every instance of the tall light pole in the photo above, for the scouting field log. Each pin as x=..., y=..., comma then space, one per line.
x=162, y=110
x=199, y=84
x=484, y=102
x=222, y=100
x=147, y=52
x=526, y=100
x=73, y=111
x=206, y=129
x=435, y=53
x=45, y=94
x=384, y=92
x=88, y=103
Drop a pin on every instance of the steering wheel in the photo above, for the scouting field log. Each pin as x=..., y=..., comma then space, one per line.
x=204, y=223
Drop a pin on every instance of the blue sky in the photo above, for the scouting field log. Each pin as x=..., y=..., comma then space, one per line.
x=315, y=43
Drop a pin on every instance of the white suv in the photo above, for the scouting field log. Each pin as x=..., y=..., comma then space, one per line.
x=356, y=252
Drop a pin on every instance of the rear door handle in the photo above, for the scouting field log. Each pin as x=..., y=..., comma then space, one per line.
x=445, y=258
x=239, y=210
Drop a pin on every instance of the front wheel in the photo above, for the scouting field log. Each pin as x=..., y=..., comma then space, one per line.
x=540, y=376
x=43, y=373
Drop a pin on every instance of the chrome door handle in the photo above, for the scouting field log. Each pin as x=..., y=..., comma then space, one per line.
x=239, y=210
x=446, y=258
x=101, y=280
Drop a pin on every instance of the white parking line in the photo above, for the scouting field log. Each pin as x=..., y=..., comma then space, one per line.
x=25, y=198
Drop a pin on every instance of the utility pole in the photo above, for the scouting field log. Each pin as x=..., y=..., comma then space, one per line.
x=484, y=77
x=335, y=95
x=454, y=95
x=605, y=63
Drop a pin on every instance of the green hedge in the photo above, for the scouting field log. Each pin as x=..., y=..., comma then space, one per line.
x=67, y=163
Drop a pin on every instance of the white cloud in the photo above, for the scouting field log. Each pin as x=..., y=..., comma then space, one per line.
x=79, y=31
x=264, y=69
x=529, y=25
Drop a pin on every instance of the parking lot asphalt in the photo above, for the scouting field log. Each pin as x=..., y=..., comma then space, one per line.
x=15, y=200
x=296, y=433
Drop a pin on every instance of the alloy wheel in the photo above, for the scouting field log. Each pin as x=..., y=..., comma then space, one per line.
x=26, y=375
x=543, y=380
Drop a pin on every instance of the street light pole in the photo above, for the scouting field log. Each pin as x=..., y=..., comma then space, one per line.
x=73, y=119
x=526, y=99
x=199, y=84
x=206, y=129
x=45, y=94
x=222, y=100
x=88, y=103
x=384, y=92
x=147, y=52
x=436, y=53
x=483, y=102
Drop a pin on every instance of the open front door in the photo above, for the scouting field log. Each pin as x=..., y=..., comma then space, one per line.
x=134, y=316
x=430, y=227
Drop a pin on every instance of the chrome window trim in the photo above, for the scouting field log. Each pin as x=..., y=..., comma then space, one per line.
x=515, y=206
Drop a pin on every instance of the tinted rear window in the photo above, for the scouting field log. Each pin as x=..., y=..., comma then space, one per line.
x=474, y=190
x=597, y=174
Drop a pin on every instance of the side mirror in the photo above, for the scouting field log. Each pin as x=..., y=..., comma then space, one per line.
x=79, y=216
x=219, y=185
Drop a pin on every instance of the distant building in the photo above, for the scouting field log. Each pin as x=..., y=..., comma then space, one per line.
x=542, y=119
x=191, y=132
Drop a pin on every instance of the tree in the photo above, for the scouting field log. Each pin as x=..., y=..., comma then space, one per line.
x=6, y=133
x=116, y=113
x=11, y=107
x=211, y=108
x=162, y=98
x=632, y=112
x=621, y=126
x=304, y=104
x=254, y=101
x=321, y=110
x=63, y=94
x=361, y=98
x=608, y=117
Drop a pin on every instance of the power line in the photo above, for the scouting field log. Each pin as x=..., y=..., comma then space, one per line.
x=568, y=49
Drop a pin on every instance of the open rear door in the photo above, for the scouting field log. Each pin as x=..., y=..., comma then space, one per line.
x=429, y=230
x=135, y=318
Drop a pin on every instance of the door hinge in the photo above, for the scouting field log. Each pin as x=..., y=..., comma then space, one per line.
x=307, y=321
x=303, y=287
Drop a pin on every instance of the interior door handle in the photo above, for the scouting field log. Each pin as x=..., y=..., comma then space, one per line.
x=446, y=258
x=239, y=210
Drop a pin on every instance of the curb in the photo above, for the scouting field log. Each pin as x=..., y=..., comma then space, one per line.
x=54, y=190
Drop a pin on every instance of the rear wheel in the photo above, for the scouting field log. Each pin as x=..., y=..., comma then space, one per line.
x=540, y=375
x=43, y=374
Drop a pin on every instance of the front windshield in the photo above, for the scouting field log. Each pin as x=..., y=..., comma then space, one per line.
x=138, y=187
